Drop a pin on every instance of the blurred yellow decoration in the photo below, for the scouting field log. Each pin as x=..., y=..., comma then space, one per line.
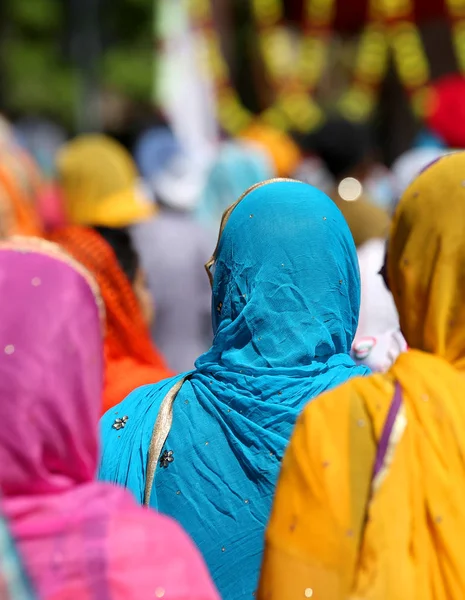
x=457, y=14
x=295, y=67
x=200, y=9
x=232, y=115
x=411, y=61
x=409, y=54
x=419, y=100
x=393, y=9
x=268, y=11
x=370, y=67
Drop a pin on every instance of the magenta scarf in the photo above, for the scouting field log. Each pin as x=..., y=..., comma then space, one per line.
x=79, y=539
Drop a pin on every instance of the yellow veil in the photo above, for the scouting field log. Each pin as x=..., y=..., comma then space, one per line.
x=340, y=531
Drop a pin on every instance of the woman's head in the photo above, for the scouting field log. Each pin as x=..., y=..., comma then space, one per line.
x=410, y=164
x=236, y=168
x=286, y=288
x=128, y=260
x=283, y=152
x=112, y=261
x=365, y=220
x=426, y=260
x=346, y=148
x=173, y=177
x=51, y=369
x=100, y=183
x=121, y=245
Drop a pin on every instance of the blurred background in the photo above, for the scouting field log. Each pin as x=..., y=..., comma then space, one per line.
x=209, y=67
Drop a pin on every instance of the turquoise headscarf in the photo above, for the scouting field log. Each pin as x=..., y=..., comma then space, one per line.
x=237, y=167
x=286, y=294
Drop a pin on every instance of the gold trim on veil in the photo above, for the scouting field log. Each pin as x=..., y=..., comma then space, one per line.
x=227, y=213
x=35, y=245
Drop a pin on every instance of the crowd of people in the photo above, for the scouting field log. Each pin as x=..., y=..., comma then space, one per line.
x=287, y=424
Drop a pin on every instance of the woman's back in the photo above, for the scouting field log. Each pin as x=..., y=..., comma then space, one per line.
x=78, y=538
x=117, y=551
x=217, y=470
x=369, y=501
x=285, y=308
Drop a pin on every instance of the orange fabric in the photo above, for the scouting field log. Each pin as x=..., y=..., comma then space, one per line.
x=22, y=217
x=282, y=149
x=338, y=529
x=131, y=360
x=24, y=171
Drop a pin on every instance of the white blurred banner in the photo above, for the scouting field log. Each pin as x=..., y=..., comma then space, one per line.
x=182, y=86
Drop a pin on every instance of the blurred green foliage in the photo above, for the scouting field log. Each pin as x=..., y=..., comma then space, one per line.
x=128, y=56
x=37, y=70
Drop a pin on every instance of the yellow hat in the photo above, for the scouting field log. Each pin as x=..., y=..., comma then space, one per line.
x=100, y=183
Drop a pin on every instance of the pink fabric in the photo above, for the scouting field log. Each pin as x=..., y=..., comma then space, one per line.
x=50, y=207
x=80, y=539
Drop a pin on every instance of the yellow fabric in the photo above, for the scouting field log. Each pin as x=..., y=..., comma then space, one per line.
x=365, y=220
x=281, y=148
x=410, y=545
x=100, y=183
x=427, y=260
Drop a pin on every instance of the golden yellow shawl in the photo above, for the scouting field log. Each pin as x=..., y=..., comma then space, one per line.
x=336, y=531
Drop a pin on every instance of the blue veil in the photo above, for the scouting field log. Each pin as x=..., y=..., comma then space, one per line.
x=237, y=167
x=286, y=296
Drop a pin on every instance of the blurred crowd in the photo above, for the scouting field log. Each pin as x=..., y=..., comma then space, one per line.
x=158, y=214
x=332, y=299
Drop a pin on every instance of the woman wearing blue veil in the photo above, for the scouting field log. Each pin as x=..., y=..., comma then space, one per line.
x=205, y=447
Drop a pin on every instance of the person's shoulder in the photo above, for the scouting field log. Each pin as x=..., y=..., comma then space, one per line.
x=342, y=397
x=127, y=426
x=327, y=422
x=143, y=399
x=332, y=396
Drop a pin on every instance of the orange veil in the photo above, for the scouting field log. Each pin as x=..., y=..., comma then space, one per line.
x=369, y=505
x=131, y=360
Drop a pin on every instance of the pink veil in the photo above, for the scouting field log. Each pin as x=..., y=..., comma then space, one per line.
x=78, y=538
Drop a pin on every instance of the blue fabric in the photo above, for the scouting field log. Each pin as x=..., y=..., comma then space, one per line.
x=286, y=297
x=236, y=168
x=14, y=585
x=427, y=139
x=154, y=149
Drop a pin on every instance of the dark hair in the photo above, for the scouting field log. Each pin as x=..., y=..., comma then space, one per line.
x=341, y=144
x=121, y=244
x=384, y=270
